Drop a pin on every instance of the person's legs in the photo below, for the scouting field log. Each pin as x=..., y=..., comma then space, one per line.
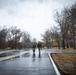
x=33, y=55
x=34, y=51
x=39, y=53
x=39, y=50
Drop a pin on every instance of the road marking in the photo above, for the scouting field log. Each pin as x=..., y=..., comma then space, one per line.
x=55, y=67
x=13, y=56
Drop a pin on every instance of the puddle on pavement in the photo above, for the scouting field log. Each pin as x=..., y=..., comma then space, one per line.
x=26, y=55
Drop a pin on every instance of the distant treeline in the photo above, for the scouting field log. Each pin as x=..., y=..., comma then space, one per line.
x=14, y=38
x=64, y=33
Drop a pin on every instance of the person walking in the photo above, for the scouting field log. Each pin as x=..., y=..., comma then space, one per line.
x=39, y=47
x=34, y=47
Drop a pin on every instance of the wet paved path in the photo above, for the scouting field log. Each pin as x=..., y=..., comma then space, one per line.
x=28, y=64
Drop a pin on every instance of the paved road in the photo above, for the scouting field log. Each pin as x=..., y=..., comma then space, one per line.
x=28, y=64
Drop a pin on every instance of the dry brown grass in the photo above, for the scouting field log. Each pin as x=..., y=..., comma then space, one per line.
x=66, y=62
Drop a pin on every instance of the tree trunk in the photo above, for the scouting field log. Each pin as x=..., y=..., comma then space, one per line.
x=63, y=42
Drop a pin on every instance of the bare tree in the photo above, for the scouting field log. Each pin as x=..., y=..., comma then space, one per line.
x=72, y=15
x=11, y=37
x=26, y=40
x=3, y=34
x=60, y=21
x=67, y=22
x=14, y=36
x=46, y=38
x=55, y=35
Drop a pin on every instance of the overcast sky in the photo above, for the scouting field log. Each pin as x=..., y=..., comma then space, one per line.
x=33, y=16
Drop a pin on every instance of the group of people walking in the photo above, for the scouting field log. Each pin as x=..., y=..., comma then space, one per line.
x=39, y=46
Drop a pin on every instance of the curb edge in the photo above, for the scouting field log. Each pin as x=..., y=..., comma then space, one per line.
x=55, y=67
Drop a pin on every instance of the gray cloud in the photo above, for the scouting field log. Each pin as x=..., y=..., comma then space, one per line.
x=10, y=5
x=22, y=0
x=10, y=12
x=7, y=3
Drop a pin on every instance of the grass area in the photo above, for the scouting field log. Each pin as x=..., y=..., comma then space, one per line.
x=66, y=62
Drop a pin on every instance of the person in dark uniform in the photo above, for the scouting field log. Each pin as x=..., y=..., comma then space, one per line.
x=39, y=47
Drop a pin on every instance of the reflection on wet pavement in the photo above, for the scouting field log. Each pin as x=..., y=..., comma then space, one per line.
x=26, y=55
